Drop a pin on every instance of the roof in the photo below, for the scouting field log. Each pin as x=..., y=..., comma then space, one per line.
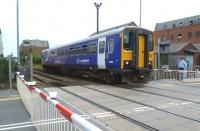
x=175, y=48
x=108, y=32
x=116, y=27
x=178, y=23
x=197, y=45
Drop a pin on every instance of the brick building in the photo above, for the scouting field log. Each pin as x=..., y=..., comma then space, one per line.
x=36, y=46
x=179, y=38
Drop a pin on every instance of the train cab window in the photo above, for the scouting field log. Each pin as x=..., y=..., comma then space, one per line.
x=150, y=42
x=110, y=46
x=101, y=47
x=128, y=40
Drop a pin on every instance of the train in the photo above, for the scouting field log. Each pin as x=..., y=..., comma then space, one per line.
x=125, y=53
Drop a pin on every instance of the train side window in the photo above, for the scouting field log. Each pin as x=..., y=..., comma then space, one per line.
x=150, y=42
x=84, y=49
x=57, y=52
x=101, y=47
x=66, y=51
x=110, y=46
x=71, y=51
x=62, y=52
x=78, y=50
x=92, y=48
x=128, y=40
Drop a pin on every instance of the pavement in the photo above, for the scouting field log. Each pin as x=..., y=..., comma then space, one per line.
x=13, y=114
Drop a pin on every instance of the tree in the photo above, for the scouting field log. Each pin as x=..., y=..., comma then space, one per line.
x=1, y=56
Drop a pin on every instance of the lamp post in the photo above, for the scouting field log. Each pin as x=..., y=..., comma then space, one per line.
x=159, y=53
x=140, y=12
x=97, y=6
x=18, y=54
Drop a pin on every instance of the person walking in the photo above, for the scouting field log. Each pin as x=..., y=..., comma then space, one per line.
x=182, y=65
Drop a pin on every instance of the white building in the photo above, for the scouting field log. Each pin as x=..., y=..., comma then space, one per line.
x=1, y=43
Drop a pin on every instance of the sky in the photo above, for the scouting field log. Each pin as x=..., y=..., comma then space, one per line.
x=64, y=21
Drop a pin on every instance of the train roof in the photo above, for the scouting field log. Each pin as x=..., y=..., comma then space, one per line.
x=110, y=32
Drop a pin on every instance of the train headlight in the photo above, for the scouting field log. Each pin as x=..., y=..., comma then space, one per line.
x=150, y=65
x=127, y=64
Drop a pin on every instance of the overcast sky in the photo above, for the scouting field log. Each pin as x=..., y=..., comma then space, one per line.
x=63, y=21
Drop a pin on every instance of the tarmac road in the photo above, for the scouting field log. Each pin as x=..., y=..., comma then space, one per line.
x=13, y=115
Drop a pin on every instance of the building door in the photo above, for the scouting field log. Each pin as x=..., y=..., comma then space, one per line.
x=189, y=61
x=101, y=53
x=141, y=51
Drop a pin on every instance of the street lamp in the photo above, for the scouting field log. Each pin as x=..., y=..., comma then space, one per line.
x=140, y=12
x=18, y=54
x=97, y=6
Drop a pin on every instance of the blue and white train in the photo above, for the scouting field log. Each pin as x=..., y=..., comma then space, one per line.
x=110, y=56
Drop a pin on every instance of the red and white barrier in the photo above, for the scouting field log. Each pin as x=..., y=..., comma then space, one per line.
x=59, y=117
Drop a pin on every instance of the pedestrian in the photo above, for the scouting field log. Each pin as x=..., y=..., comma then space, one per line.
x=182, y=65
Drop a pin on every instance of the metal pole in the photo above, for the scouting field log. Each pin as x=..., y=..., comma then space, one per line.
x=10, y=72
x=97, y=20
x=97, y=6
x=31, y=65
x=18, y=51
x=140, y=12
x=158, y=53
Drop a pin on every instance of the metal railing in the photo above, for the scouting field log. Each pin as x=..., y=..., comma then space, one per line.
x=46, y=113
x=158, y=74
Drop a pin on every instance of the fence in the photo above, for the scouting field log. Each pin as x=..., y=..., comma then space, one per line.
x=46, y=113
x=158, y=74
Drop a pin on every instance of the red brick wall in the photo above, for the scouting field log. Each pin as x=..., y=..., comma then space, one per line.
x=35, y=50
x=175, y=31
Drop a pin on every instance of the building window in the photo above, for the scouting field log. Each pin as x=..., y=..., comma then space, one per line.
x=162, y=48
x=181, y=24
x=172, y=37
x=174, y=25
x=163, y=38
x=191, y=22
x=199, y=21
x=179, y=36
x=189, y=35
x=198, y=34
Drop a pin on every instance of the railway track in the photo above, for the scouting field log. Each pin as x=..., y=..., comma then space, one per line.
x=130, y=87
x=145, y=126
x=177, y=98
x=63, y=83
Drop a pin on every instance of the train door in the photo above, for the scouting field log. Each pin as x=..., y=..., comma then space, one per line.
x=101, y=53
x=141, y=51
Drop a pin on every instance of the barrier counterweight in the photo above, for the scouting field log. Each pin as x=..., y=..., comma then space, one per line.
x=48, y=114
